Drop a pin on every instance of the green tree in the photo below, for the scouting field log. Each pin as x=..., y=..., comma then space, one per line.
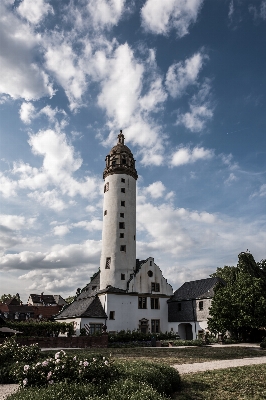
x=239, y=305
x=69, y=299
x=9, y=296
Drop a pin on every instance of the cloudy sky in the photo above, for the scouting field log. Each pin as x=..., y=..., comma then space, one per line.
x=184, y=79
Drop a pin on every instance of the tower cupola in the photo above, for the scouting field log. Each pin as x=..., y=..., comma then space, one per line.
x=120, y=160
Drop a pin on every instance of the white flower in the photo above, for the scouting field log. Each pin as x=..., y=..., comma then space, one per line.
x=49, y=375
x=44, y=363
x=85, y=363
x=26, y=367
x=51, y=382
x=94, y=359
x=74, y=358
x=106, y=362
x=25, y=381
x=57, y=355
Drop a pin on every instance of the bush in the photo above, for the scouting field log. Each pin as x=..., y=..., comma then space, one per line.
x=42, y=329
x=11, y=353
x=165, y=380
x=133, y=390
x=136, y=336
x=179, y=342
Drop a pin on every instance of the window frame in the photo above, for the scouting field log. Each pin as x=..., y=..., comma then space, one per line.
x=155, y=326
x=155, y=287
x=155, y=303
x=142, y=303
x=108, y=263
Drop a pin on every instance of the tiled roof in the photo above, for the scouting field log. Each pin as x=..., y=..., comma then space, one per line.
x=89, y=307
x=46, y=298
x=112, y=289
x=196, y=289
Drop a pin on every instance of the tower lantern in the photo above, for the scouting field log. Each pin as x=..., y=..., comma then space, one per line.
x=118, y=258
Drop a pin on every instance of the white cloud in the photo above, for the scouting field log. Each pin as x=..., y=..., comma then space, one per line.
x=21, y=76
x=121, y=96
x=105, y=13
x=231, y=10
x=27, y=112
x=232, y=178
x=50, y=199
x=259, y=12
x=156, y=189
x=94, y=225
x=185, y=155
x=7, y=186
x=61, y=230
x=182, y=74
x=159, y=17
x=16, y=222
x=60, y=256
x=261, y=192
x=34, y=11
x=201, y=110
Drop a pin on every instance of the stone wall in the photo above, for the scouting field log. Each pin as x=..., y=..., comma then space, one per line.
x=64, y=342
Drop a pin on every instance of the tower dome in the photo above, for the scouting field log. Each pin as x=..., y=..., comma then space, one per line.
x=120, y=160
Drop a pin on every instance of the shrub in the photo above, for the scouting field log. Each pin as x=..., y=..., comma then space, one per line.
x=263, y=344
x=179, y=342
x=64, y=368
x=165, y=380
x=136, y=336
x=42, y=329
x=133, y=390
x=10, y=353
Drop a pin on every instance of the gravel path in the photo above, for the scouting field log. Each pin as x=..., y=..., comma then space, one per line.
x=221, y=364
x=5, y=390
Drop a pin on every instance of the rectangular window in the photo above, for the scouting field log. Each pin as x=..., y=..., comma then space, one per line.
x=121, y=225
x=124, y=161
x=123, y=247
x=150, y=263
x=123, y=180
x=95, y=328
x=178, y=306
x=143, y=302
x=122, y=235
x=105, y=212
x=108, y=263
x=201, y=305
x=123, y=203
x=154, y=303
x=106, y=187
x=122, y=215
x=134, y=237
x=112, y=315
x=123, y=277
x=155, y=287
x=123, y=190
x=155, y=326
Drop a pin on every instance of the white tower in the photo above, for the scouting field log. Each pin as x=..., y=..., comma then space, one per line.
x=118, y=258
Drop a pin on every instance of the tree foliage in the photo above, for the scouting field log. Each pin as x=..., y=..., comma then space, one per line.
x=239, y=304
x=8, y=296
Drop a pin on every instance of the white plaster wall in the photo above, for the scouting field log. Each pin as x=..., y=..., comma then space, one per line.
x=141, y=283
x=127, y=313
x=76, y=322
x=196, y=326
x=121, y=262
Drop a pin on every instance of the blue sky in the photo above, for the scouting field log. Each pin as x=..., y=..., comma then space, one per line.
x=184, y=79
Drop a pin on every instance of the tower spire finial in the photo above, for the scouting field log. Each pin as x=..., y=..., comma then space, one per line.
x=121, y=138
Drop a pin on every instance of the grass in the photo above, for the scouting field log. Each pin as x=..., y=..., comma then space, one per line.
x=171, y=356
x=240, y=383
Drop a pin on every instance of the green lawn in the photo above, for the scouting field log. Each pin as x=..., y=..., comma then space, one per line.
x=241, y=383
x=171, y=356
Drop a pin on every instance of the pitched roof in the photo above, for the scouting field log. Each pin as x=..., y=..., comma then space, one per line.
x=196, y=289
x=89, y=307
x=46, y=298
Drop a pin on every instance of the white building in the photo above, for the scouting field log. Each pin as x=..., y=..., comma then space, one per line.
x=127, y=293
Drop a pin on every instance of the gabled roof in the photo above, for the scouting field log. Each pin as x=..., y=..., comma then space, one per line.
x=45, y=298
x=201, y=288
x=89, y=307
x=12, y=302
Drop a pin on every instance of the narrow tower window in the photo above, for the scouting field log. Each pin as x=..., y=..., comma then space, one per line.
x=108, y=263
x=123, y=180
x=106, y=187
x=112, y=315
x=121, y=225
x=123, y=190
x=122, y=215
x=105, y=212
x=123, y=247
x=123, y=203
x=122, y=235
x=123, y=277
